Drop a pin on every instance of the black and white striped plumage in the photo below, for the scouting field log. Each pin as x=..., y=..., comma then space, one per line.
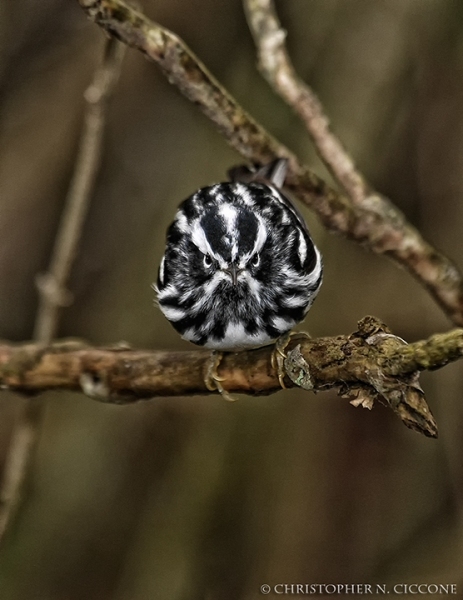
x=240, y=268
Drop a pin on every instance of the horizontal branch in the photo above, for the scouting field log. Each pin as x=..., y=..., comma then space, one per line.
x=375, y=222
x=368, y=364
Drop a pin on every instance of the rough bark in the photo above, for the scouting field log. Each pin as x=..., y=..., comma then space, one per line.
x=369, y=364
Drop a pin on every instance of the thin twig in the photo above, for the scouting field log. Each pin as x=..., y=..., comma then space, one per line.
x=369, y=363
x=18, y=460
x=375, y=223
x=53, y=294
x=52, y=285
x=276, y=66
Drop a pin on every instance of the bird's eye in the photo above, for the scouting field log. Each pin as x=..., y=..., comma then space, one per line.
x=255, y=260
x=207, y=261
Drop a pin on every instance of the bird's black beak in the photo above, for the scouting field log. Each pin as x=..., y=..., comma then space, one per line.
x=233, y=272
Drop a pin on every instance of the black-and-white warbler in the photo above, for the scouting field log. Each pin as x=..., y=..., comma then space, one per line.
x=240, y=268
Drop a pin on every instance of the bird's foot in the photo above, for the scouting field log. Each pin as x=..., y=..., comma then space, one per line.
x=279, y=354
x=212, y=380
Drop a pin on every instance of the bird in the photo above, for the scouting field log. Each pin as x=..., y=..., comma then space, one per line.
x=240, y=268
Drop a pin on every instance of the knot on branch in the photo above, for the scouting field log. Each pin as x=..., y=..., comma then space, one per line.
x=94, y=387
x=51, y=289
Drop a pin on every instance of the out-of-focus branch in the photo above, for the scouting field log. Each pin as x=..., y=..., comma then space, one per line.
x=373, y=222
x=370, y=363
x=53, y=294
x=52, y=285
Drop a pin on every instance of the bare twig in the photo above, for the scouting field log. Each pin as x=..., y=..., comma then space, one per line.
x=18, y=460
x=275, y=64
x=52, y=285
x=53, y=294
x=374, y=222
x=370, y=362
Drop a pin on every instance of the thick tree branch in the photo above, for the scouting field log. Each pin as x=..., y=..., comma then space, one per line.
x=373, y=222
x=370, y=363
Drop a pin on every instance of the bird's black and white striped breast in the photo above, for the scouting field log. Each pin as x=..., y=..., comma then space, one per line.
x=240, y=267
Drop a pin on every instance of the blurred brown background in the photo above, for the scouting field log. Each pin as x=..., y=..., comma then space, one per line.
x=196, y=498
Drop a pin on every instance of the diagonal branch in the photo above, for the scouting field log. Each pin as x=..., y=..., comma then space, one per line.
x=373, y=222
x=277, y=68
x=370, y=363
